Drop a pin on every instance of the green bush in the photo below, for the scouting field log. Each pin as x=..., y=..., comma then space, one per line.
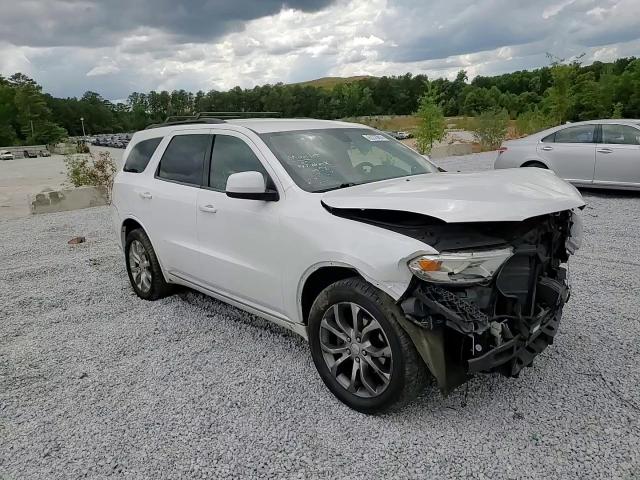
x=85, y=169
x=532, y=121
x=490, y=128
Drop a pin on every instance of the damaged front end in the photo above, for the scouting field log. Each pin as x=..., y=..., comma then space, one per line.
x=492, y=300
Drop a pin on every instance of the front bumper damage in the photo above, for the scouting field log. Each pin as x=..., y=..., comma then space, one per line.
x=496, y=327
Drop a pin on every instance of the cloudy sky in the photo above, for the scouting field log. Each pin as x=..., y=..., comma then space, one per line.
x=115, y=47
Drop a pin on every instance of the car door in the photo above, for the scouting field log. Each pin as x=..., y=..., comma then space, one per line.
x=571, y=152
x=618, y=156
x=172, y=197
x=240, y=239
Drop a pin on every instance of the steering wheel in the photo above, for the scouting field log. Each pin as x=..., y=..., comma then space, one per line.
x=360, y=168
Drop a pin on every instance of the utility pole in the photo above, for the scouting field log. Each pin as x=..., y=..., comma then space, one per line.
x=82, y=120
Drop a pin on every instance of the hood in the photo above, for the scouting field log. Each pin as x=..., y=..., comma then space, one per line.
x=513, y=194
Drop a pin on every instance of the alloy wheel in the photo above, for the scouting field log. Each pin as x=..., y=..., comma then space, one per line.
x=356, y=349
x=140, y=266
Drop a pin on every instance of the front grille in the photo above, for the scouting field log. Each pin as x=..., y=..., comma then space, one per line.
x=464, y=316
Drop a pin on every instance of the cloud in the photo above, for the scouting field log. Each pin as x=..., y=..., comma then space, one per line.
x=104, y=69
x=101, y=22
x=119, y=46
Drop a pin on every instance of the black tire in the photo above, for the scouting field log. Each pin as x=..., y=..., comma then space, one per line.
x=408, y=373
x=158, y=287
x=536, y=165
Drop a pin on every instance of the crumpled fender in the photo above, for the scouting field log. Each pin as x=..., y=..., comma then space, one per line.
x=430, y=346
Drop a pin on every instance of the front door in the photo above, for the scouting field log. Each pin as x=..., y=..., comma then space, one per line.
x=618, y=156
x=571, y=153
x=239, y=239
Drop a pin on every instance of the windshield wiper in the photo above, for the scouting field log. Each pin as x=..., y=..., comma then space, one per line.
x=338, y=187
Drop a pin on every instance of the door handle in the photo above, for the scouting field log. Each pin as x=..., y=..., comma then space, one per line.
x=605, y=150
x=145, y=195
x=547, y=148
x=208, y=209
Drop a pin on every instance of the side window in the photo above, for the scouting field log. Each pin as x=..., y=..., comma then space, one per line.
x=620, y=134
x=183, y=160
x=231, y=155
x=550, y=138
x=577, y=134
x=140, y=155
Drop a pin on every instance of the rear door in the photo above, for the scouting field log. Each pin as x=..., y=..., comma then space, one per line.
x=240, y=239
x=618, y=156
x=172, y=200
x=571, y=152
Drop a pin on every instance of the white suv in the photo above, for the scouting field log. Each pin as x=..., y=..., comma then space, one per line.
x=390, y=268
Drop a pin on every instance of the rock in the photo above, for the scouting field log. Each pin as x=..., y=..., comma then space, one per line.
x=77, y=240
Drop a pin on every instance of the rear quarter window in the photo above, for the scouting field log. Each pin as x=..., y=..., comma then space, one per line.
x=140, y=155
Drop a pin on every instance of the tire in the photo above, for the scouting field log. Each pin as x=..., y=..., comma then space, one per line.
x=154, y=287
x=536, y=165
x=389, y=348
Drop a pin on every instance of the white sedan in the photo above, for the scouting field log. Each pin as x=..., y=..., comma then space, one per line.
x=597, y=153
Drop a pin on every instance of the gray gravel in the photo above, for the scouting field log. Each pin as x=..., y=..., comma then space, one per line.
x=95, y=382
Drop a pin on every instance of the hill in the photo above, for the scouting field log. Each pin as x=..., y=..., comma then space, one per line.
x=330, y=82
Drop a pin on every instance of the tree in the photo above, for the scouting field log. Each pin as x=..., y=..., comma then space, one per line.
x=33, y=115
x=477, y=100
x=432, y=125
x=8, y=134
x=559, y=95
x=617, y=110
x=560, y=92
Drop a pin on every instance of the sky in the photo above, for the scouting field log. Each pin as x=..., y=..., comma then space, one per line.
x=115, y=47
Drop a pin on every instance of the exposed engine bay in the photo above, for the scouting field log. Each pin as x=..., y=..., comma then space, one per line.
x=494, y=324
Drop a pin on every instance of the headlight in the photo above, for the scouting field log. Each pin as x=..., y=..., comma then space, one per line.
x=460, y=267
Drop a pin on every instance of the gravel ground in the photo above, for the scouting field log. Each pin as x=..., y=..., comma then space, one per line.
x=95, y=382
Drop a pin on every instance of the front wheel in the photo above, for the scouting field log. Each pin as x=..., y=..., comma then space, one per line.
x=360, y=350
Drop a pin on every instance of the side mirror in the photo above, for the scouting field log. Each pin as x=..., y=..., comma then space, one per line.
x=250, y=186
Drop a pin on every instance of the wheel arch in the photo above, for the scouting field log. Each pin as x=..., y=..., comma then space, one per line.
x=129, y=224
x=528, y=162
x=319, y=278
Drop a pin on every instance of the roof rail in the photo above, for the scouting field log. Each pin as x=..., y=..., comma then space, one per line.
x=237, y=115
x=212, y=117
x=185, y=121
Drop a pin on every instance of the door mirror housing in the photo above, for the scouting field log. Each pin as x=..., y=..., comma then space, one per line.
x=250, y=186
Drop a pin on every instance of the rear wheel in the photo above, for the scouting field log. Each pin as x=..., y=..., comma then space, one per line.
x=535, y=164
x=143, y=267
x=362, y=354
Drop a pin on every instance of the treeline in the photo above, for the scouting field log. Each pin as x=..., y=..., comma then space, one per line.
x=554, y=94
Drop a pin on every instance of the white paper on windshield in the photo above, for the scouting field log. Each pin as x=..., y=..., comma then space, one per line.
x=376, y=138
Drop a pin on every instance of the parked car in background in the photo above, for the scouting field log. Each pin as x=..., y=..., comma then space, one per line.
x=597, y=153
x=6, y=155
x=399, y=135
x=390, y=268
x=30, y=154
x=44, y=153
